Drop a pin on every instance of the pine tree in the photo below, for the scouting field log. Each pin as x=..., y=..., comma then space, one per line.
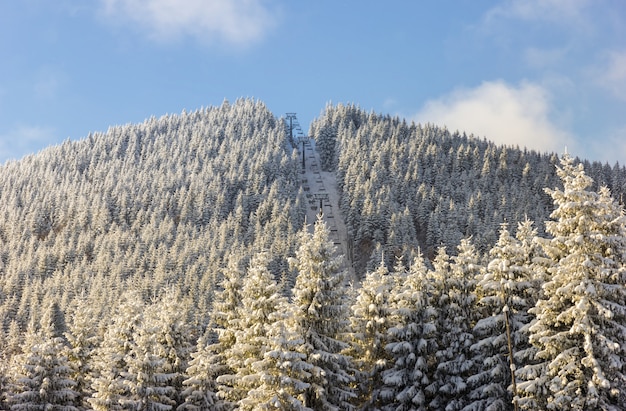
x=412, y=342
x=113, y=355
x=325, y=141
x=456, y=304
x=200, y=389
x=83, y=340
x=580, y=322
x=260, y=299
x=44, y=381
x=280, y=375
x=145, y=377
x=371, y=320
x=505, y=298
x=320, y=317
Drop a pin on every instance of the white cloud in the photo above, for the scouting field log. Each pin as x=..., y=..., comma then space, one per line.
x=611, y=74
x=24, y=140
x=502, y=113
x=238, y=22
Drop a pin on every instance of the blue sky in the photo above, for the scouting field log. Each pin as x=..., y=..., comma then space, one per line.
x=544, y=74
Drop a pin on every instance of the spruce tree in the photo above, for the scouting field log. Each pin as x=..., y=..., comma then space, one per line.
x=146, y=378
x=320, y=318
x=44, y=378
x=325, y=141
x=83, y=341
x=504, y=303
x=457, y=301
x=200, y=389
x=281, y=373
x=580, y=325
x=210, y=358
x=260, y=299
x=412, y=342
x=113, y=356
x=371, y=320
x=173, y=332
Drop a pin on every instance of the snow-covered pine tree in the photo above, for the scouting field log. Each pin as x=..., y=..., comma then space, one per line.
x=199, y=389
x=112, y=357
x=174, y=333
x=526, y=354
x=209, y=360
x=260, y=299
x=44, y=378
x=146, y=377
x=325, y=141
x=504, y=297
x=83, y=341
x=580, y=325
x=320, y=317
x=412, y=342
x=371, y=319
x=282, y=371
x=457, y=303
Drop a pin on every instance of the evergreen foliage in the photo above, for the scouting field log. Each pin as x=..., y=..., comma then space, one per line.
x=321, y=319
x=43, y=379
x=457, y=302
x=371, y=319
x=412, y=342
x=579, y=327
x=160, y=265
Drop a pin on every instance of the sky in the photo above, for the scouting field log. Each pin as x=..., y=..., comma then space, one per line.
x=548, y=75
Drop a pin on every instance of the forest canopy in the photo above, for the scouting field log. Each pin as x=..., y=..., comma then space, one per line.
x=170, y=264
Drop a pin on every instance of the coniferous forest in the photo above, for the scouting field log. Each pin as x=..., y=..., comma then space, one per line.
x=171, y=265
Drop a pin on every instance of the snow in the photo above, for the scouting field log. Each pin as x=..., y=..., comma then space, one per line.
x=315, y=181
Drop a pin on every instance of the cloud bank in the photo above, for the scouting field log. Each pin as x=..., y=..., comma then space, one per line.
x=502, y=113
x=235, y=22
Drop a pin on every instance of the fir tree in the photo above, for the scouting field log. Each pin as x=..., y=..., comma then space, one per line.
x=456, y=304
x=412, y=342
x=320, y=317
x=371, y=320
x=580, y=322
x=505, y=300
x=260, y=299
x=44, y=381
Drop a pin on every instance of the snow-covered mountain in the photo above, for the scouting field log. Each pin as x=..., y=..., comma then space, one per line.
x=167, y=264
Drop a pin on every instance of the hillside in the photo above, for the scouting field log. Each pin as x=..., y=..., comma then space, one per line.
x=405, y=186
x=148, y=206
x=189, y=246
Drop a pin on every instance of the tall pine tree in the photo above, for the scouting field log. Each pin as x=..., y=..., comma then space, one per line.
x=371, y=320
x=412, y=342
x=580, y=325
x=320, y=318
